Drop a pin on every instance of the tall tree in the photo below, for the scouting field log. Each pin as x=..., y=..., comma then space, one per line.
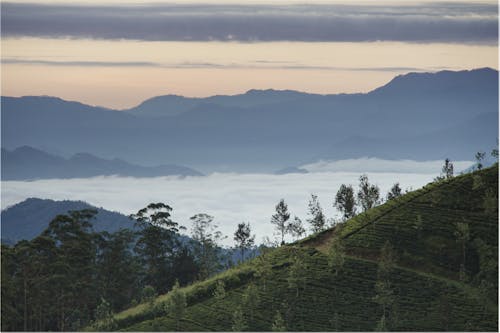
x=280, y=219
x=73, y=267
x=243, y=238
x=395, y=192
x=156, y=244
x=317, y=219
x=447, y=171
x=345, y=202
x=115, y=255
x=368, y=194
x=206, y=238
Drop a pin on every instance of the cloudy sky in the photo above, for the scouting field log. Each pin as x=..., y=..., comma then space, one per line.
x=118, y=53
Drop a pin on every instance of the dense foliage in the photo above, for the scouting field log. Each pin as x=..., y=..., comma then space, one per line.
x=70, y=275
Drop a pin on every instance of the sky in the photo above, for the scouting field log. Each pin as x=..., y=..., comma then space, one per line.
x=230, y=197
x=118, y=53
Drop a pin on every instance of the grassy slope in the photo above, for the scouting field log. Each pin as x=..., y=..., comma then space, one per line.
x=420, y=226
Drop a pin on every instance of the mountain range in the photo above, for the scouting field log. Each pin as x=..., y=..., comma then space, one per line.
x=417, y=116
x=27, y=163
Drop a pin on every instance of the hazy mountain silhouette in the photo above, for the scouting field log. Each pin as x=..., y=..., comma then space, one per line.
x=417, y=115
x=27, y=219
x=30, y=163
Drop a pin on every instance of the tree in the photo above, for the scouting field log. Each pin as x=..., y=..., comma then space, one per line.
x=243, y=238
x=344, y=201
x=317, y=219
x=368, y=194
x=336, y=255
x=278, y=323
x=479, y=159
x=239, y=322
x=296, y=229
x=447, y=170
x=395, y=192
x=280, y=219
x=115, y=255
x=157, y=244
x=72, y=267
x=176, y=305
x=184, y=265
x=206, y=238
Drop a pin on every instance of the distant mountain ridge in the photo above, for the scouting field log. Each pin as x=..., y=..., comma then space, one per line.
x=267, y=130
x=27, y=219
x=30, y=163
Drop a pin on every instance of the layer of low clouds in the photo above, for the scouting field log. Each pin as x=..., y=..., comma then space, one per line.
x=231, y=198
x=380, y=165
x=187, y=65
x=425, y=22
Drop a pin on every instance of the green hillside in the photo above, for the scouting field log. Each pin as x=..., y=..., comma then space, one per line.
x=443, y=274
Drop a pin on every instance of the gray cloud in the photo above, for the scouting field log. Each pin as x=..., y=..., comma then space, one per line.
x=230, y=197
x=435, y=22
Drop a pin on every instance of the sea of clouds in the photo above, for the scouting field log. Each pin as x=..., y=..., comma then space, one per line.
x=231, y=198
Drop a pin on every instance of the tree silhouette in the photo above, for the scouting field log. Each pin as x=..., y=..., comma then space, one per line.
x=368, y=194
x=280, y=219
x=317, y=219
x=344, y=201
x=243, y=238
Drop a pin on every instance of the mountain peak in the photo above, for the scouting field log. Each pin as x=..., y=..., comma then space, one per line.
x=475, y=79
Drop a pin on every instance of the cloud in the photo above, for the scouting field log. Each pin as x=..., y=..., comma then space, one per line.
x=231, y=198
x=425, y=22
x=190, y=65
x=80, y=63
x=379, y=165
